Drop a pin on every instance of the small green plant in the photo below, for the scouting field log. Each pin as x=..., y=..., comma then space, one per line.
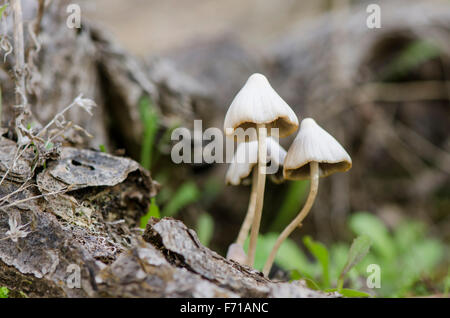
x=170, y=201
x=406, y=256
x=186, y=194
x=359, y=249
x=153, y=211
x=205, y=228
x=321, y=254
x=292, y=259
x=293, y=201
x=150, y=121
x=4, y=292
x=163, y=145
x=289, y=256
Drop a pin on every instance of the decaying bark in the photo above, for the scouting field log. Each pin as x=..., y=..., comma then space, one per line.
x=79, y=210
x=181, y=246
x=173, y=263
x=87, y=223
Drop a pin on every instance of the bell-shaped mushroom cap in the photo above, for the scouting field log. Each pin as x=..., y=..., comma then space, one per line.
x=246, y=157
x=258, y=103
x=313, y=143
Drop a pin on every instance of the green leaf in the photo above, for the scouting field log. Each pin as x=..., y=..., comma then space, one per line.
x=296, y=275
x=289, y=255
x=102, y=148
x=360, y=247
x=351, y=293
x=205, y=228
x=163, y=145
x=149, y=118
x=186, y=194
x=338, y=258
x=320, y=252
x=295, y=196
x=363, y=223
x=153, y=211
x=166, y=192
x=4, y=292
x=263, y=247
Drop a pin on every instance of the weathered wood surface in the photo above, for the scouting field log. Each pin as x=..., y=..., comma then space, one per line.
x=77, y=210
x=173, y=263
x=93, y=226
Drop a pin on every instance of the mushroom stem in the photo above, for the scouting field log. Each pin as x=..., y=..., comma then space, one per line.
x=314, y=171
x=245, y=228
x=260, y=184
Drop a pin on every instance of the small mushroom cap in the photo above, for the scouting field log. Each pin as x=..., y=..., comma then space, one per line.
x=258, y=103
x=246, y=157
x=313, y=143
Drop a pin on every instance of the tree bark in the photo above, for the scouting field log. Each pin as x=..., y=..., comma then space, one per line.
x=78, y=222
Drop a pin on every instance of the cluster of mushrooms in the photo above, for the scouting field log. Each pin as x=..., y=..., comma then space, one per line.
x=314, y=153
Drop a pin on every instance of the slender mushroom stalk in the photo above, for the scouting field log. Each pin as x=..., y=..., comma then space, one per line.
x=257, y=105
x=313, y=154
x=314, y=187
x=245, y=163
x=260, y=185
x=245, y=228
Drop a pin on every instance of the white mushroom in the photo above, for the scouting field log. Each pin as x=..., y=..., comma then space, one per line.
x=314, y=144
x=314, y=153
x=244, y=161
x=246, y=158
x=257, y=105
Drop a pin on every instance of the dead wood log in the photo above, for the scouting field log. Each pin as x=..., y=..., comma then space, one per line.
x=81, y=211
x=173, y=263
x=79, y=216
